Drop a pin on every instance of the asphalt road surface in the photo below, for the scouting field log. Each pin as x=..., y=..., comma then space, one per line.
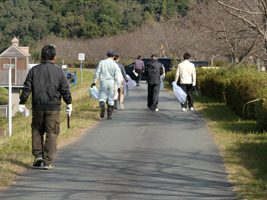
x=140, y=154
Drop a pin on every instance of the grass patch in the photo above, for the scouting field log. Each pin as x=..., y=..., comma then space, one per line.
x=243, y=148
x=15, y=151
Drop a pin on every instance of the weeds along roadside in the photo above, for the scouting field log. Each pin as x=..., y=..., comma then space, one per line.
x=243, y=148
x=15, y=151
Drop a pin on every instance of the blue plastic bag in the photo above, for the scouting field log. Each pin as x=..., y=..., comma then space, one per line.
x=179, y=93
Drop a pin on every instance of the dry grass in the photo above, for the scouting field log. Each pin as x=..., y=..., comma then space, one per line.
x=15, y=151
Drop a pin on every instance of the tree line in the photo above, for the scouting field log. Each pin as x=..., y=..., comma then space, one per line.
x=89, y=19
x=211, y=29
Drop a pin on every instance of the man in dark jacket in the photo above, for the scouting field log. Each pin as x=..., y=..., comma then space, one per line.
x=48, y=84
x=153, y=71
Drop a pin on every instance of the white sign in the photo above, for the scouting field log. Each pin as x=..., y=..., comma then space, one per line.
x=81, y=56
x=9, y=66
x=64, y=67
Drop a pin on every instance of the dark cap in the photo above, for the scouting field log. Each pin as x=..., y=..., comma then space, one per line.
x=110, y=53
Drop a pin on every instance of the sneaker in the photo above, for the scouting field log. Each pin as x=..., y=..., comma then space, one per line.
x=156, y=109
x=38, y=160
x=184, y=109
x=48, y=167
x=192, y=108
x=121, y=106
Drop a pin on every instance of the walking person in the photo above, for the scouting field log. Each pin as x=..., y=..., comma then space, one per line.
x=139, y=68
x=121, y=90
x=187, y=73
x=48, y=84
x=153, y=71
x=108, y=73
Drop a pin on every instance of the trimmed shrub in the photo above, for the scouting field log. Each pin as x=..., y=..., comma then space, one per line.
x=170, y=76
x=238, y=87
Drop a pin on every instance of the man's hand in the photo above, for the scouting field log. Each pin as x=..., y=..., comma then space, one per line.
x=21, y=108
x=93, y=84
x=69, y=109
x=193, y=84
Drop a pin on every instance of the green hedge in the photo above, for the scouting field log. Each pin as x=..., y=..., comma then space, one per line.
x=241, y=88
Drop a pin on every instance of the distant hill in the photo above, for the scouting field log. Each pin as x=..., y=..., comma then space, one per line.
x=34, y=20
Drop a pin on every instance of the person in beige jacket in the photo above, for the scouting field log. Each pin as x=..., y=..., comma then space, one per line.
x=187, y=73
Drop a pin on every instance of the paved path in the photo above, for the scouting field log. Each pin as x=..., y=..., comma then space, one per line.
x=140, y=154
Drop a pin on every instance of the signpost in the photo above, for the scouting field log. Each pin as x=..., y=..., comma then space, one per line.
x=81, y=57
x=9, y=66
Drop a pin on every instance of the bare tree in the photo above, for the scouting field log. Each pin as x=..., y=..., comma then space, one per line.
x=232, y=39
x=252, y=12
x=175, y=37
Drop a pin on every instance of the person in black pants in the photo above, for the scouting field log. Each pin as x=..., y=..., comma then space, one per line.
x=153, y=71
x=48, y=84
x=187, y=73
x=138, y=68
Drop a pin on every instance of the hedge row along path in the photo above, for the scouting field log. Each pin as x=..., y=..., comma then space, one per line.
x=139, y=154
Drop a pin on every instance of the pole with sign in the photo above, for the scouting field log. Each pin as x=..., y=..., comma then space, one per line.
x=9, y=66
x=81, y=57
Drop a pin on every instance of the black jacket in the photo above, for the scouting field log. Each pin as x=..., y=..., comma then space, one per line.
x=153, y=71
x=48, y=83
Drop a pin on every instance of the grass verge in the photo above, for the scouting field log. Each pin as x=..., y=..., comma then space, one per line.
x=15, y=151
x=244, y=150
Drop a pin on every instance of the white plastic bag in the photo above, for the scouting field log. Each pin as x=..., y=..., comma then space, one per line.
x=179, y=93
x=131, y=82
x=94, y=92
x=26, y=112
x=161, y=82
x=135, y=74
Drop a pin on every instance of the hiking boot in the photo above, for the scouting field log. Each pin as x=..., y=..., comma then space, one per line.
x=184, y=109
x=38, y=160
x=156, y=109
x=121, y=106
x=102, y=106
x=192, y=108
x=48, y=167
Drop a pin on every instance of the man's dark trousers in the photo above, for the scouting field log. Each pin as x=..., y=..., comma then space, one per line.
x=153, y=96
x=45, y=122
x=187, y=88
x=138, y=78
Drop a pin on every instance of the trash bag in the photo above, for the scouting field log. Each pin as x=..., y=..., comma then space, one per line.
x=161, y=82
x=179, y=93
x=94, y=92
x=131, y=83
